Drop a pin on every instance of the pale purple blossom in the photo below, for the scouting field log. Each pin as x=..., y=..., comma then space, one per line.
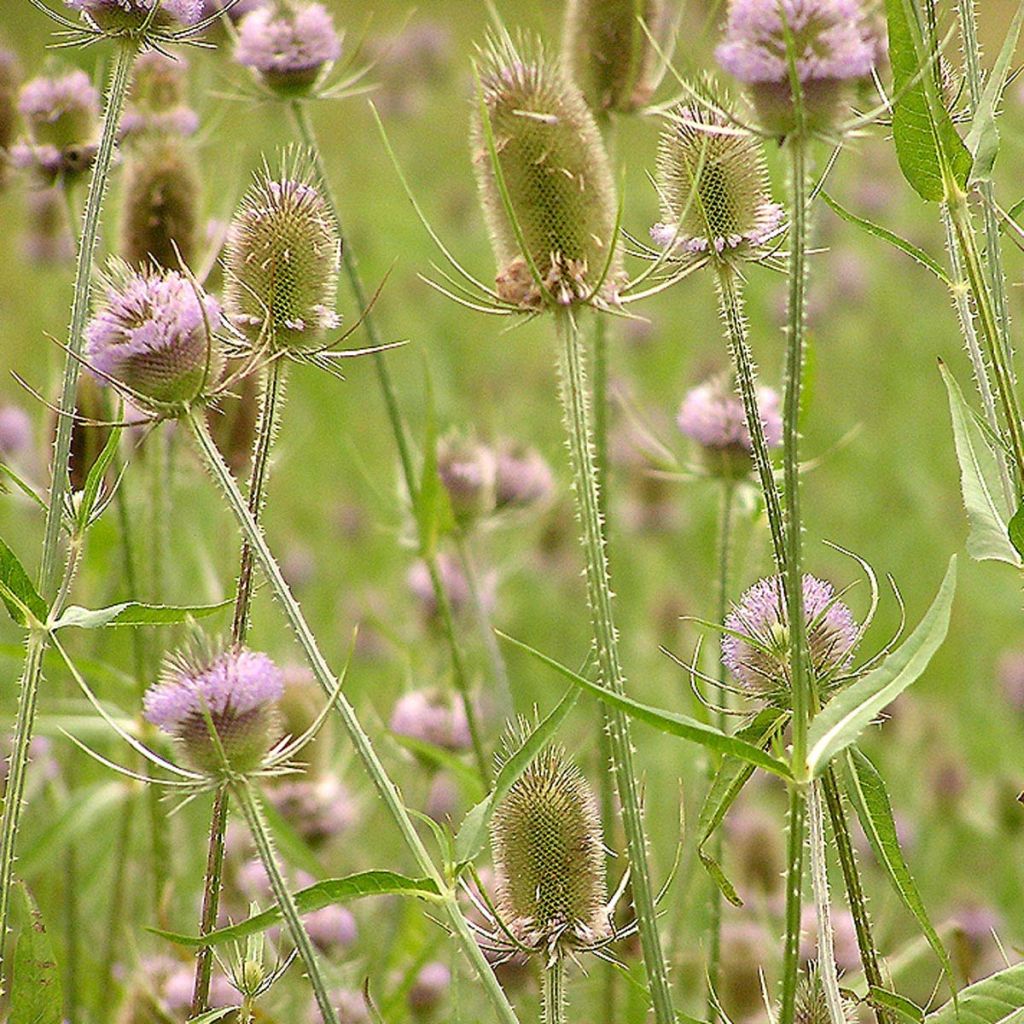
x=431, y=717
x=523, y=476
x=331, y=928
x=185, y=12
x=288, y=44
x=15, y=430
x=318, y=809
x=1010, y=674
x=767, y=225
x=714, y=417
x=454, y=584
x=429, y=988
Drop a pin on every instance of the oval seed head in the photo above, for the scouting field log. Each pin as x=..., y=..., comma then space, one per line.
x=158, y=104
x=289, y=45
x=155, y=334
x=760, y=659
x=549, y=855
x=713, y=186
x=468, y=470
x=126, y=16
x=557, y=180
x=832, y=43
x=608, y=53
x=159, y=218
x=237, y=689
x=282, y=259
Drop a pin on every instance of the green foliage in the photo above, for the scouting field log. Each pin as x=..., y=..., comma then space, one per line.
x=17, y=591
x=35, y=990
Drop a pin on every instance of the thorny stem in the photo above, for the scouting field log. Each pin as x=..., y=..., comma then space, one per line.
x=28, y=694
x=554, y=991
x=576, y=408
x=211, y=900
x=304, y=126
x=249, y=801
x=382, y=782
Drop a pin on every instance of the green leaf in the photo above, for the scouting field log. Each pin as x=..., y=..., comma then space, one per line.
x=17, y=591
x=315, y=897
x=983, y=137
x=988, y=538
x=903, y=1007
x=927, y=144
x=1016, y=530
x=35, y=988
x=998, y=999
x=913, y=251
x=668, y=721
x=473, y=830
x=94, y=481
x=848, y=713
x=729, y=780
x=874, y=811
x=211, y=1016
x=134, y=613
x=23, y=485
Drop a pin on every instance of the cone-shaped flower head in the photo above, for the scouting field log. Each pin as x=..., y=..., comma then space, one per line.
x=282, y=259
x=289, y=45
x=756, y=650
x=468, y=471
x=536, y=145
x=154, y=333
x=523, y=476
x=713, y=184
x=61, y=114
x=159, y=103
x=549, y=855
x=117, y=16
x=235, y=690
x=832, y=43
x=713, y=416
x=608, y=53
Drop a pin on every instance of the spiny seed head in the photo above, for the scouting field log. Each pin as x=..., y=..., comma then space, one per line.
x=832, y=43
x=608, y=53
x=811, y=1004
x=161, y=194
x=548, y=854
x=713, y=184
x=289, y=45
x=158, y=102
x=468, y=470
x=759, y=656
x=120, y=16
x=238, y=689
x=282, y=260
x=548, y=153
x=154, y=333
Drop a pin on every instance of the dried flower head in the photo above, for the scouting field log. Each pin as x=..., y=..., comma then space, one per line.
x=713, y=184
x=549, y=856
x=832, y=43
x=122, y=16
x=468, y=470
x=537, y=147
x=289, y=45
x=712, y=414
x=756, y=650
x=234, y=691
x=609, y=54
x=433, y=717
x=523, y=478
x=154, y=335
x=158, y=103
x=281, y=261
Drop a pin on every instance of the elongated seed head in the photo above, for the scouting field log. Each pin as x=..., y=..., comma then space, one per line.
x=281, y=261
x=608, y=53
x=548, y=854
x=541, y=165
x=812, y=1006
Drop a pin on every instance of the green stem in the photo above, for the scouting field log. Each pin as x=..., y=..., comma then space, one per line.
x=350, y=266
x=823, y=906
x=576, y=407
x=553, y=995
x=249, y=802
x=211, y=900
x=364, y=750
x=48, y=570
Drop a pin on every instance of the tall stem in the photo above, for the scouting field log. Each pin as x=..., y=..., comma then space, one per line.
x=364, y=750
x=576, y=407
x=553, y=996
x=28, y=693
x=211, y=900
x=249, y=802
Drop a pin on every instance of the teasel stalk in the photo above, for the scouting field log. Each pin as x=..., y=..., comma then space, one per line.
x=50, y=580
x=386, y=788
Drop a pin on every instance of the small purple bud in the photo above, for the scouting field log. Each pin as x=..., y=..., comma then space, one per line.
x=318, y=809
x=468, y=471
x=1010, y=674
x=158, y=103
x=15, y=431
x=429, y=989
x=524, y=477
x=61, y=114
x=431, y=717
x=47, y=238
x=331, y=928
x=455, y=585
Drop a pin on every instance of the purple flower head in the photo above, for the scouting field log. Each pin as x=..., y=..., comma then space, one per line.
x=523, y=476
x=430, y=988
x=237, y=689
x=468, y=471
x=431, y=717
x=61, y=114
x=331, y=928
x=47, y=238
x=288, y=47
x=155, y=334
x=15, y=431
x=1010, y=674
x=756, y=650
x=159, y=101
x=455, y=585
x=129, y=15
x=236, y=12
x=318, y=809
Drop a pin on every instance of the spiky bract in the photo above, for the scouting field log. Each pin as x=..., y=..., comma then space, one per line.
x=549, y=856
x=282, y=260
x=549, y=163
x=811, y=1004
x=608, y=53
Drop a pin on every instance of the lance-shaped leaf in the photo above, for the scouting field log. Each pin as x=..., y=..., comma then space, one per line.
x=17, y=591
x=847, y=714
x=989, y=537
x=134, y=613
x=668, y=721
x=907, y=1011
x=1015, y=529
x=315, y=897
x=93, y=482
x=35, y=988
x=998, y=999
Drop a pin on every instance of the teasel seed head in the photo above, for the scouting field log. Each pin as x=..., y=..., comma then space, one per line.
x=524, y=478
x=158, y=103
x=128, y=16
x=811, y=1005
x=468, y=470
x=549, y=855
x=548, y=155
x=608, y=53
x=238, y=689
x=713, y=185
x=282, y=260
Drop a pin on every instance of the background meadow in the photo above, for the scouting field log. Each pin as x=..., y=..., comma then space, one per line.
x=884, y=484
